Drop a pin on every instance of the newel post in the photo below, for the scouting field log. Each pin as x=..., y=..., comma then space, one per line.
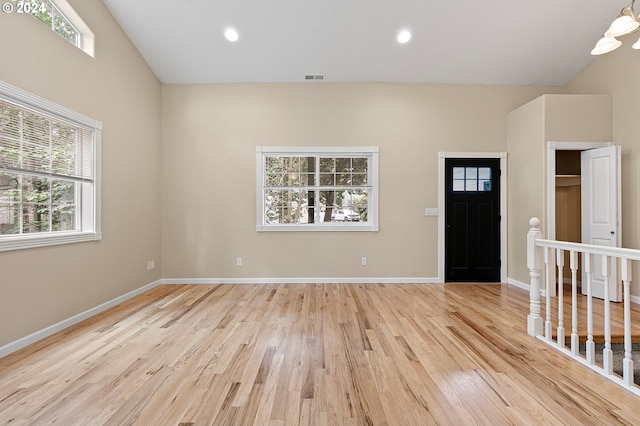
x=534, y=263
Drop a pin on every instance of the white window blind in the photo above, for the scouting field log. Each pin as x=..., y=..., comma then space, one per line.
x=42, y=145
x=49, y=192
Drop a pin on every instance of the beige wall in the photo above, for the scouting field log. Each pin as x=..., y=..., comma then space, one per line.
x=40, y=287
x=578, y=118
x=209, y=136
x=556, y=118
x=616, y=73
x=525, y=180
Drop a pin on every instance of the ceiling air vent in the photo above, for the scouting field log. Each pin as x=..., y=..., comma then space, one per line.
x=314, y=77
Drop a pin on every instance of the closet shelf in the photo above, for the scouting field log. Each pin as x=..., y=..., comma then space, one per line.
x=567, y=180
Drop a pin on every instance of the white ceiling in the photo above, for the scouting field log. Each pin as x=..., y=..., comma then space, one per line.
x=535, y=42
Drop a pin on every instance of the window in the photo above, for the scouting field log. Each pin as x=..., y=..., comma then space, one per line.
x=317, y=189
x=472, y=179
x=60, y=17
x=49, y=172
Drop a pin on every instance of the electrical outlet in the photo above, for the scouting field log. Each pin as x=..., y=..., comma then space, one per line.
x=151, y=265
x=238, y=261
x=363, y=261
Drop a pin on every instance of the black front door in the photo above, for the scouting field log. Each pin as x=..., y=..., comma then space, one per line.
x=472, y=209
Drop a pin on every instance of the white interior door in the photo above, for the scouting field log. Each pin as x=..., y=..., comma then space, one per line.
x=600, y=169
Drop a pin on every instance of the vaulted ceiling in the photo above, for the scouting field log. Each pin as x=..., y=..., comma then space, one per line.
x=536, y=42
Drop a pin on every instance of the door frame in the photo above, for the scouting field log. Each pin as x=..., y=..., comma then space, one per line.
x=442, y=155
x=552, y=147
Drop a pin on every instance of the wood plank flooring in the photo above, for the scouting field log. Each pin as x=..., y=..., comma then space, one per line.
x=316, y=354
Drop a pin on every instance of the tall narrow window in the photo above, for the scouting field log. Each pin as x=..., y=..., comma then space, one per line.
x=314, y=189
x=48, y=172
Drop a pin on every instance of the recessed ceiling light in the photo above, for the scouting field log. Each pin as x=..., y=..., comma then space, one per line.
x=231, y=34
x=404, y=36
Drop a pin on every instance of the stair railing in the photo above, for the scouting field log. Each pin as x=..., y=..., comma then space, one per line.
x=540, y=255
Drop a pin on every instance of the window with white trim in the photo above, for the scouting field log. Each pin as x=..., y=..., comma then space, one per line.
x=60, y=17
x=49, y=171
x=317, y=188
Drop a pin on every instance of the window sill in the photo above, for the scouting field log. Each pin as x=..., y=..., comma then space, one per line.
x=305, y=227
x=20, y=242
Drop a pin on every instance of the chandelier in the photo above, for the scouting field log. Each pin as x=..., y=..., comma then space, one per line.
x=626, y=23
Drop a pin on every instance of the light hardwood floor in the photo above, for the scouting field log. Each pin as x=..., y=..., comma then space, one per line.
x=322, y=354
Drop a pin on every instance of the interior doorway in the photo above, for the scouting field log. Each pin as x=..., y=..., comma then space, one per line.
x=568, y=199
x=583, y=195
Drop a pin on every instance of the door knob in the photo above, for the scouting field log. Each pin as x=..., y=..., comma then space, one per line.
x=612, y=232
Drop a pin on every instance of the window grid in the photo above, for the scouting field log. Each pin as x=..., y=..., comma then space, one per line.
x=471, y=179
x=296, y=185
x=316, y=190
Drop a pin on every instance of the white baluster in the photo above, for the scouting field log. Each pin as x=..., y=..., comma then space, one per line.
x=575, y=339
x=548, y=281
x=627, y=363
x=534, y=263
x=560, y=263
x=590, y=346
x=607, y=353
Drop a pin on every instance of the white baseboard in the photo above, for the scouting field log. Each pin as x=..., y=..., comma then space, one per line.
x=301, y=280
x=519, y=284
x=52, y=329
